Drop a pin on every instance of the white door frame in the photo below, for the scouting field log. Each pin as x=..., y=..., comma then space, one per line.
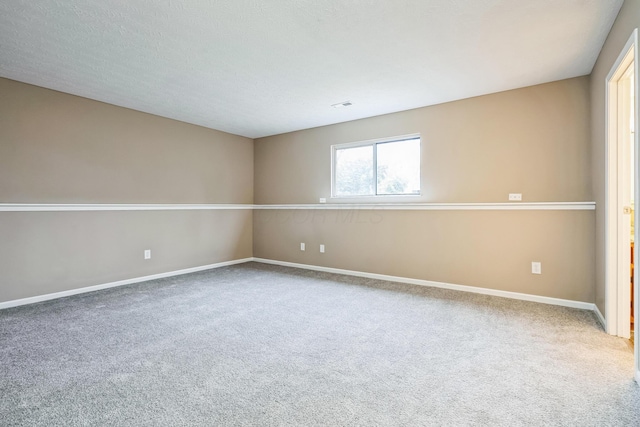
x=617, y=298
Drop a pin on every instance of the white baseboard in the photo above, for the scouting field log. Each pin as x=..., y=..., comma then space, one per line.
x=600, y=317
x=420, y=282
x=46, y=297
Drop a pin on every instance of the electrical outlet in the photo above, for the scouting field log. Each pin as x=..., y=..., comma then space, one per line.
x=147, y=254
x=321, y=249
x=302, y=246
x=323, y=200
x=536, y=267
x=515, y=197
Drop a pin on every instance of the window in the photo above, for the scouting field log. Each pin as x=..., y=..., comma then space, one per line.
x=376, y=168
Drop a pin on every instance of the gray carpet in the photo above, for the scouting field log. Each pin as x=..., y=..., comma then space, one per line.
x=257, y=345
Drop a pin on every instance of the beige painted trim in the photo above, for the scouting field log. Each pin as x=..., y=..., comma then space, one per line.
x=429, y=283
x=55, y=295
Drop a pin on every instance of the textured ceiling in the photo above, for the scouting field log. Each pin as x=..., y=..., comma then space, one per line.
x=257, y=68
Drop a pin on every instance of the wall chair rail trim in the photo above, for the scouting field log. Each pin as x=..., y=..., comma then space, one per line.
x=61, y=207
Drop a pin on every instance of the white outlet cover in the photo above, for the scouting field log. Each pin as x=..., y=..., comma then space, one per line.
x=536, y=267
x=147, y=254
x=515, y=197
x=323, y=200
x=321, y=249
x=302, y=246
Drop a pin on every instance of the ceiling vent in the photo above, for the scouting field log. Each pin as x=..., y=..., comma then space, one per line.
x=342, y=104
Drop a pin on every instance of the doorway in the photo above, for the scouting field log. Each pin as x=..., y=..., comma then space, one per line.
x=626, y=138
x=622, y=190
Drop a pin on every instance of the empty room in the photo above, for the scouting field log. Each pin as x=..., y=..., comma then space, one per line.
x=319, y=213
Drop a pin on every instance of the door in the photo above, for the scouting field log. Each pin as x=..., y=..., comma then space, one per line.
x=621, y=193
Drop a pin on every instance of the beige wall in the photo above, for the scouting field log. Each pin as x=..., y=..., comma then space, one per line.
x=489, y=249
x=533, y=140
x=59, y=148
x=628, y=19
x=45, y=252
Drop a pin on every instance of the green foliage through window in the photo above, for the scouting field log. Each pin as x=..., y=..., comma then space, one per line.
x=389, y=167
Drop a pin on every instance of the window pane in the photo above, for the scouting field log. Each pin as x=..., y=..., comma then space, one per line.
x=354, y=171
x=399, y=167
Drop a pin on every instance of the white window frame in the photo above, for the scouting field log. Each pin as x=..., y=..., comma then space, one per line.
x=373, y=143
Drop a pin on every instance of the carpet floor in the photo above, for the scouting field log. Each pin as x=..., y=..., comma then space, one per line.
x=259, y=345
